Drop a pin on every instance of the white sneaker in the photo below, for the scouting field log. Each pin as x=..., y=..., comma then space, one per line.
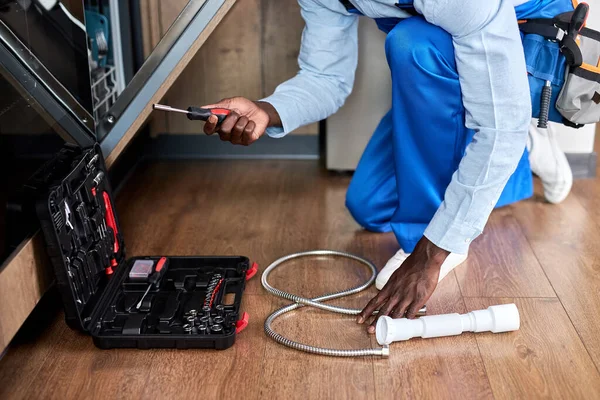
x=549, y=162
x=452, y=261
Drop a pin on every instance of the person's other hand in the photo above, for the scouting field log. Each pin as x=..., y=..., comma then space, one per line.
x=409, y=287
x=246, y=123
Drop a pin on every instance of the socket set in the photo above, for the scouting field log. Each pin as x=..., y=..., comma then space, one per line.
x=143, y=302
x=184, y=296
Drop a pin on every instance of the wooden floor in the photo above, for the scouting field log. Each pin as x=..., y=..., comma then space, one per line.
x=544, y=258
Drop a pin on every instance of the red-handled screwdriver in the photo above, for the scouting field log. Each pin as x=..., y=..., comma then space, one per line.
x=155, y=277
x=196, y=113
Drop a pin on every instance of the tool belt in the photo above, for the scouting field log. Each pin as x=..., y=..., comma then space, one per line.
x=563, y=62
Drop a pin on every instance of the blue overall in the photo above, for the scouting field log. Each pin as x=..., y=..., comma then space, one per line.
x=408, y=164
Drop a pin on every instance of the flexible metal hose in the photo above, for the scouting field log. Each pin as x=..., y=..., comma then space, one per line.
x=317, y=303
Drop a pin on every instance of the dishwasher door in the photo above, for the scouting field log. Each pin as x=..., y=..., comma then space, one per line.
x=43, y=52
x=161, y=69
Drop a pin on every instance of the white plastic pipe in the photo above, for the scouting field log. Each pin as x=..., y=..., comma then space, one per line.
x=496, y=319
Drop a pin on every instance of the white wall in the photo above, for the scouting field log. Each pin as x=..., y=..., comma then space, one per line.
x=581, y=140
x=371, y=98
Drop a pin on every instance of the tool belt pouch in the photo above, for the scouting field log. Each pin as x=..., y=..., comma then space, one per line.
x=579, y=99
x=544, y=63
x=570, y=64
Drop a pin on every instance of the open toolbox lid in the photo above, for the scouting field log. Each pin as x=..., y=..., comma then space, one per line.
x=60, y=186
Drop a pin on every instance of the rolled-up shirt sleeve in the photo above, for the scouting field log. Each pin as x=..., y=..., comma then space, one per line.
x=493, y=79
x=328, y=58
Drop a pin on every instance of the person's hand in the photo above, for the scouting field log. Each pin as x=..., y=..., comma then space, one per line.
x=246, y=123
x=409, y=287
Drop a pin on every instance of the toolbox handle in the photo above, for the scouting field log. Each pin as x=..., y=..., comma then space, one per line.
x=242, y=323
x=252, y=271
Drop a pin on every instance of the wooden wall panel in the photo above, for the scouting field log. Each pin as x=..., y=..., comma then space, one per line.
x=282, y=32
x=150, y=25
x=157, y=17
x=228, y=65
x=168, y=12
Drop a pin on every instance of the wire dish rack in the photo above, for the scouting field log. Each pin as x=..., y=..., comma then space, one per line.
x=104, y=90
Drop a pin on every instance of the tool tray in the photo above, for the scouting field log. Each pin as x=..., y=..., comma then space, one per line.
x=196, y=302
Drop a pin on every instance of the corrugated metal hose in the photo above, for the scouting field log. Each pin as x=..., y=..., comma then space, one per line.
x=317, y=302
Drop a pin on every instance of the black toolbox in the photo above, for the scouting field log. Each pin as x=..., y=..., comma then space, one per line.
x=194, y=302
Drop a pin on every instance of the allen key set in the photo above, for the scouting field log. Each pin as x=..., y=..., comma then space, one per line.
x=144, y=302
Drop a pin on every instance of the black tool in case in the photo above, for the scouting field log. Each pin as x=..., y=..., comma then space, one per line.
x=143, y=302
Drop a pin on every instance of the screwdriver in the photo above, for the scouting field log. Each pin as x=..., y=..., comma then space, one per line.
x=155, y=277
x=196, y=113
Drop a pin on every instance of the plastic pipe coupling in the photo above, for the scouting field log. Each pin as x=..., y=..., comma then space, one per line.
x=496, y=319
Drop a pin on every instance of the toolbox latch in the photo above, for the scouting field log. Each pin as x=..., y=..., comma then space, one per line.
x=252, y=271
x=242, y=323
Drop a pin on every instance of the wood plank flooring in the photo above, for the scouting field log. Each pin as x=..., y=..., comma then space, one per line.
x=545, y=258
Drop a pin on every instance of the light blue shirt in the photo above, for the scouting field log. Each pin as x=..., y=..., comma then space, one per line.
x=493, y=79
